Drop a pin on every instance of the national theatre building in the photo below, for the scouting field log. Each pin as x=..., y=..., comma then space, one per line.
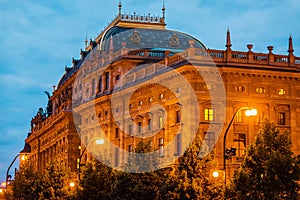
x=138, y=81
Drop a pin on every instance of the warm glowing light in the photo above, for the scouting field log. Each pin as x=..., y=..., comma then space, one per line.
x=251, y=112
x=1, y=190
x=24, y=157
x=215, y=174
x=72, y=184
x=3, y=184
x=100, y=141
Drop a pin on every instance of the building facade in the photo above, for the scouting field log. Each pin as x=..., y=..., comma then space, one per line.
x=139, y=81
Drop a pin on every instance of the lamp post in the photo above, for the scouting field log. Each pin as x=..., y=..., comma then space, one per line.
x=98, y=141
x=249, y=112
x=6, y=181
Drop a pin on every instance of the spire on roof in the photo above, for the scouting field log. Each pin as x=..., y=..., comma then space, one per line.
x=163, y=9
x=228, y=40
x=120, y=7
x=86, y=40
x=291, y=48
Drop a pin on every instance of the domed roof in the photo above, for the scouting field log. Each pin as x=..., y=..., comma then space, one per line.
x=144, y=38
x=118, y=37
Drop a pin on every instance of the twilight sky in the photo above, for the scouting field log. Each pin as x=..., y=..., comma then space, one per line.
x=39, y=37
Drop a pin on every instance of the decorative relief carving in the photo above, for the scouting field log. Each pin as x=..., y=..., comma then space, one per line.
x=174, y=40
x=135, y=37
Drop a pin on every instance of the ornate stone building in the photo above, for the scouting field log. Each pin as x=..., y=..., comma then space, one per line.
x=139, y=81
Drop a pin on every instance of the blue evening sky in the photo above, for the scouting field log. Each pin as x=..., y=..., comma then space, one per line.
x=39, y=37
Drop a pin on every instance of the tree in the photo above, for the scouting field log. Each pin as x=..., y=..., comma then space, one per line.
x=140, y=186
x=26, y=183
x=191, y=179
x=97, y=181
x=55, y=181
x=270, y=169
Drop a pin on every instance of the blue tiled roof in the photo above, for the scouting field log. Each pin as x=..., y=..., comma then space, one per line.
x=149, y=39
x=153, y=39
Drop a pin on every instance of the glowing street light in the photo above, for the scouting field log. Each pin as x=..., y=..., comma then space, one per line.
x=215, y=174
x=249, y=112
x=72, y=184
x=252, y=112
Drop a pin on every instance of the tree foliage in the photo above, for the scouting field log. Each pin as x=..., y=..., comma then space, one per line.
x=26, y=183
x=55, y=182
x=140, y=186
x=192, y=179
x=97, y=181
x=270, y=169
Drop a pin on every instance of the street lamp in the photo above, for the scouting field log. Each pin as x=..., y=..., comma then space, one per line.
x=7, y=175
x=249, y=112
x=97, y=141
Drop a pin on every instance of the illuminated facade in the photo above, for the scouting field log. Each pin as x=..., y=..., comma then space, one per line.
x=140, y=48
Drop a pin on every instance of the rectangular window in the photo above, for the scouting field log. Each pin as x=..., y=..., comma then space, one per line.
x=106, y=80
x=281, y=120
x=208, y=114
x=261, y=116
x=178, y=144
x=130, y=130
x=161, y=147
x=100, y=84
x=239, y=141
x=239, y=117
x=130, y=148
x=210, y=139
x=117, y=132
x=178, y=115
x=160, y=122
x=93, y=86
x=139, y=127
x=149, y=124
x=116, y=156
x=117, y=77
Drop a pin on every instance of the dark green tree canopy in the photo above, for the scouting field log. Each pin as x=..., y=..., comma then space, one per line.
x=270, y=169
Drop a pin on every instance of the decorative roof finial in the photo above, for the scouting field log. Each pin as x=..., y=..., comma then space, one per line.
x=228, y=41
x=86, y=40
x=291, y=48
x=163, y=9
x=120, y=7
